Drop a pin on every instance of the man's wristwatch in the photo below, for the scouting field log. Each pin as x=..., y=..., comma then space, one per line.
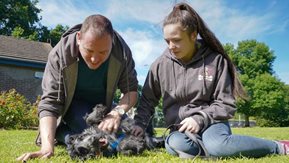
x=119, y=110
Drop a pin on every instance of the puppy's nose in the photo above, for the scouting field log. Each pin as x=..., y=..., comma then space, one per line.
x=83, y=150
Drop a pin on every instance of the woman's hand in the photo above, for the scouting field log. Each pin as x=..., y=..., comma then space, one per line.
x=189, y=124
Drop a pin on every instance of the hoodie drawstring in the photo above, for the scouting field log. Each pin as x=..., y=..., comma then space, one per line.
x=174, y=80
x=59, y=79
x=204, y=89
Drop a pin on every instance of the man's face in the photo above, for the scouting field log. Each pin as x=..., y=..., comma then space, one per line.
x=94, y=50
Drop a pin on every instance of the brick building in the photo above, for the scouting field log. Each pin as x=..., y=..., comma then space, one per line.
x=22, y=64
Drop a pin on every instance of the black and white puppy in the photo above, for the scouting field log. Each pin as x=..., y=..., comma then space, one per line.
x=89, y=144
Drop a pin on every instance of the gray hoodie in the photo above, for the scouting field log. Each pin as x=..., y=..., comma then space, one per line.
x=201, y=88
x=60, y=74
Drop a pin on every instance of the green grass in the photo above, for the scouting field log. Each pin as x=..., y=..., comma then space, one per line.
x=15, y=142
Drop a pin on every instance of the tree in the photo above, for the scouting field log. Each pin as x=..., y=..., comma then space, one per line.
x=17, y=32
x=117, y=95
x=244, y=106
x=252, y=59
x=22, y=14
x=20, y=19
x=159, y=119
x=268, y=101
x=286, y=89
x=56, y=33
x=43, y=34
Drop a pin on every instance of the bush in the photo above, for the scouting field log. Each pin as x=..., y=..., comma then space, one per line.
x=16, y=112
x=261, y=122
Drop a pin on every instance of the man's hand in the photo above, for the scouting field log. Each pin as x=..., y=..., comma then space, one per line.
x=43, y=154
x=111, y=122
x=47, y=132
x=137, y=131
x=189, y=124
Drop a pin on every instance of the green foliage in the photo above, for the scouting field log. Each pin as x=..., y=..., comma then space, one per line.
x=117, y=96
x=20, y=19
x=17, y=32
x=229, y=49
x=56, y=33
x=33, y=36
x=261, y=122
x=267, y=98
x=139, y=91
x=16, y=111
x=253, y=58
x=15, y=13
x=159, y=119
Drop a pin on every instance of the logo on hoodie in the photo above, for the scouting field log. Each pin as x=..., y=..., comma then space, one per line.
x=208, y=74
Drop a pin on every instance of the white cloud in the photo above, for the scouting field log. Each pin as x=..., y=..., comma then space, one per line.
x=229, y=24
x=283, y=76
x=149, y=11
x=63, y=12
x=145, y=49
x=144, y=46
x=232, y=25
x=70, y=12
x=141, y=78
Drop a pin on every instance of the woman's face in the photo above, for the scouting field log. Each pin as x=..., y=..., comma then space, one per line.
x=94, y=50
x=180, y=43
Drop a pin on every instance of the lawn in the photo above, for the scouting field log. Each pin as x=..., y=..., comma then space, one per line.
x=15, y=142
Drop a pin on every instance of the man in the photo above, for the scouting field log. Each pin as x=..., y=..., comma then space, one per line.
x=84, y=69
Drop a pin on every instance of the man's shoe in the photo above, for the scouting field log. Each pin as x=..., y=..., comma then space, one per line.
x=284, y=146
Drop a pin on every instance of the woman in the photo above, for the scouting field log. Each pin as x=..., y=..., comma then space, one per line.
x=199, y=85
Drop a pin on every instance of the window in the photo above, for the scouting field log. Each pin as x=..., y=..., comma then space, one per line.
x=38, y=75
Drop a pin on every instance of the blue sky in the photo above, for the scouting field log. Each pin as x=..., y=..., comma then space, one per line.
x=139, y=22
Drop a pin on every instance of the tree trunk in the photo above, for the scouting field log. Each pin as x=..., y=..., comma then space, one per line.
x=247, y=122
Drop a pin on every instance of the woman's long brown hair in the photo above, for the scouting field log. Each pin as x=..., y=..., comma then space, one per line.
x=191, y=21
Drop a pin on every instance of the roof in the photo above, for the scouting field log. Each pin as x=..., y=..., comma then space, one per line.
x=23, y=50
